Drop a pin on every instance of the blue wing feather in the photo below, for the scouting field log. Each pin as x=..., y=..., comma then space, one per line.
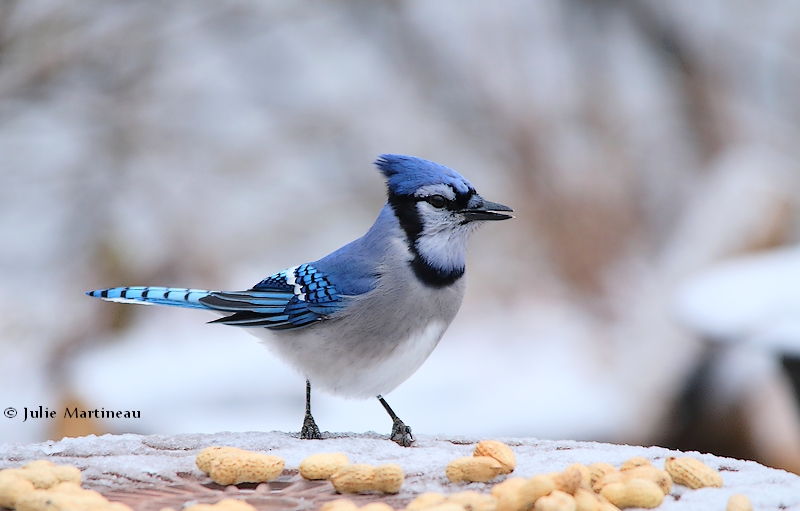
x=293, y=298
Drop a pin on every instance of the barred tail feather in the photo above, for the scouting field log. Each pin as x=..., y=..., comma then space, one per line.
x=151, y=295
x=276, y=308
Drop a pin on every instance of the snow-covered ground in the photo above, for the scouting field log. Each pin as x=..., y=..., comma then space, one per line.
x=127, y=462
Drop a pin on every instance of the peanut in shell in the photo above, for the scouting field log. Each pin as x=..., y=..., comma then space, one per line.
x=586, y=476
x=473, y=468
x=598, y=470
x=739, y=502
x=649, y=472
x=537, y=487
x=45, y=474
x=556, y=501
x=323, y=465
x=12, y=487
x=586, y=500
x=569, y=480
x=509, y=495
x=245, y=467
x=46, y=500
x=692, y=472
x=636, y=461
x=605, y=505
x=474, y=501
x=376, y=506
x=358, y=478
x=388, y=478
x=424, y=501
x=499, y=451
x=206, y=456
x=446, y=506
x=633, y=493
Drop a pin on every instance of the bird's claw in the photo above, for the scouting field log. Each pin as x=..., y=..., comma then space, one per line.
x=401, y=434
x=310, y=431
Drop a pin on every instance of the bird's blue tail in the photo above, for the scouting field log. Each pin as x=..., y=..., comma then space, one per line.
x=151, y=295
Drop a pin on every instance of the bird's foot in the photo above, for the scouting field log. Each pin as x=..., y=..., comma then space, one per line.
x=401, y=434
x=310, y=430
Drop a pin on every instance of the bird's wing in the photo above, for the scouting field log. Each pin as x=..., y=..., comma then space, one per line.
x=293, y=298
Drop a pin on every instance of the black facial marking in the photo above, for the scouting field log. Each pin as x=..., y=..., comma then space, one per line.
x=461, y=201
x=405, y=208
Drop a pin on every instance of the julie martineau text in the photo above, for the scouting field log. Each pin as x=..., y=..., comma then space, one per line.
x=79, y=413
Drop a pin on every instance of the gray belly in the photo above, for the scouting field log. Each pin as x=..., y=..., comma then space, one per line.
x=374, y=344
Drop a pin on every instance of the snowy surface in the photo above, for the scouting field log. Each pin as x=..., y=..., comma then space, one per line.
x=114, y=462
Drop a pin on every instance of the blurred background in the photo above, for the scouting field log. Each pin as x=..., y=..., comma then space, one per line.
x=648, y=291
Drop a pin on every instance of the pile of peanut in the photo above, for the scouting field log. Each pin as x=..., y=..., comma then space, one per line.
x=596, y=487
x=43, y=486
x=601, y=487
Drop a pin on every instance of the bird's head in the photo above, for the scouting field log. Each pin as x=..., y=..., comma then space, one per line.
x=438, y=209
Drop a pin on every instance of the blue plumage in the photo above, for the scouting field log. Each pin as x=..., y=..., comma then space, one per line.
x=405, y=174
x=293, y=298
x=152, y=295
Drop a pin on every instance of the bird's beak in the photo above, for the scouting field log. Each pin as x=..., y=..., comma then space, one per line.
x=487, y=211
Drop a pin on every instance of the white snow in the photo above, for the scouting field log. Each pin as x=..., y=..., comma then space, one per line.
x=117, y=462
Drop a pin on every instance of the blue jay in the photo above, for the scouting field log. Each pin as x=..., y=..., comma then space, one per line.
x=360, y=321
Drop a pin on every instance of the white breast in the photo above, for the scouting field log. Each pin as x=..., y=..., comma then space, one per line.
x=385, y=375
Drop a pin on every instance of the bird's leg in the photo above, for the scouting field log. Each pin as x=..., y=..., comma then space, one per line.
x=310, y=430
x=401, y=434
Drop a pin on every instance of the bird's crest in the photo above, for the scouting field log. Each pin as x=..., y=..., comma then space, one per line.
x=405, y=174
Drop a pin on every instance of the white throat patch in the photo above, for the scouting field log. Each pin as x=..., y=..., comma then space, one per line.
x=443, y=240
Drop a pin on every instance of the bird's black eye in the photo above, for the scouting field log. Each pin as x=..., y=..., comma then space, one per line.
x=437, y=201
